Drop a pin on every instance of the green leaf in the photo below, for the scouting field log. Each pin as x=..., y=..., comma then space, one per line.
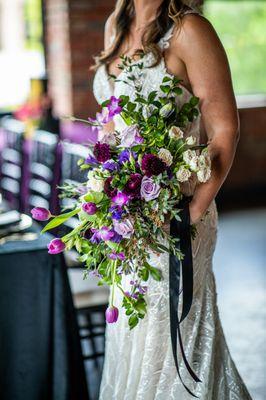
x=165, y=88
x=194, y=101
x=166, y=79
x=94, y=197
x=133, y=321
x=60, y=219
x=152, y=96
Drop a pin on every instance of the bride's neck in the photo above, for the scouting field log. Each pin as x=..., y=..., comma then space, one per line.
x=146, y=11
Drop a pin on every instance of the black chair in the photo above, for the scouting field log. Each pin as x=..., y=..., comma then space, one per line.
x=44, y=170
x=13, y=163
x=90, y=300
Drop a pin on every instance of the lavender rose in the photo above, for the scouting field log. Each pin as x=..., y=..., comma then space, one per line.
x=149, y=189
x=40, y=214
x=56, y=246
x=124, y=228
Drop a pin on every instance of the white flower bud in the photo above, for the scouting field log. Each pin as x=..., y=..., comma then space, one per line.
x=176, y=133
x=190, y=140
x=165, y=156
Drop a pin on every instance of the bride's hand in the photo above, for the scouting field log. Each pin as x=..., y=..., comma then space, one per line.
x=195, y=214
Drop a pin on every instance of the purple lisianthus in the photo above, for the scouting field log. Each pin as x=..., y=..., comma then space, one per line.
x=124, y=228
x=89, y=208
x=56, y=246
x=95, y=237
x=91, y=160
x=120, y=199
x=105, y=233
x=149, y=189
x=117, y=256
x=116, y=212
x=40, y=214
x=133, y=185
x=124, y=156
x=110, y=165
x=152, y=165
x=111, y=314
x=116, y=238
x=101, y=152
x=114, y=107
x=130, y=136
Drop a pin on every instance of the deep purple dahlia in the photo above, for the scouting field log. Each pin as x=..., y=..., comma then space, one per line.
x=133, y=185
x=101, y=152
x=152, y=165
x=108, y=188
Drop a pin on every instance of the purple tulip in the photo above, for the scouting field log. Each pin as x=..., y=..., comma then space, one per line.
x=114, y=107
x=149, y=189
x=40, y=214
x=89, y=208
x=56, y=246
x=111, y=314
x=120, y=199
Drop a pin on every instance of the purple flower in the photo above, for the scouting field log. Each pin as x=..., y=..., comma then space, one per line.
x=91, y=160
x=56, y=246
x=116, y=212
x=96, y=273
x=120, y=199
x=111, y=314
x=152, y=165
x=108, y=188
x=102, y=117
x=105, y=233
x=133, y=185
x=116, y=238
x=40, y=214
x=130, y=136
x=89, y=208
x=149, y=189
x=110, y=165
x=114, y=107
x=95, y=238
x=117, y=256
x=101, y=152
x=124, y=228
x=124, y=156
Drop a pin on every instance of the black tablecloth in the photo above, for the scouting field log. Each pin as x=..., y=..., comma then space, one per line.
x=40, y=353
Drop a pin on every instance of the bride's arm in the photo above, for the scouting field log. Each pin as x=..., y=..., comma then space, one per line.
x=209, y=75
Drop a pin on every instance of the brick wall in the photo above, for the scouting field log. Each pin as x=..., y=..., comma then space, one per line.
x=74, y=33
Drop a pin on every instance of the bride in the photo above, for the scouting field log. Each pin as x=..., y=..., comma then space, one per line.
x=139, y=364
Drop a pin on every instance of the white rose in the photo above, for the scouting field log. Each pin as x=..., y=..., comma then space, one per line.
x=165, y=156
x=107, y=137
x=191, y=159
x=176, y=133
x=204, y=159
x=190, y=140
x=204, y=174
x=95, y=184
x=183, y=174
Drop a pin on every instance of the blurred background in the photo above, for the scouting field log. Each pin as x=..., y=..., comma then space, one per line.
x=46, y=48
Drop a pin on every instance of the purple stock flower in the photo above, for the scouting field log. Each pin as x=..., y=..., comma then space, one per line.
x=117, y=256
x=111, y=314
x=91, y=160
x=101, y=152
x=114, y=107
x=40, y=214
x=56, y=246
x=149, y=189
x=120, y=199
x=124, y=156
x=124, y=228
x=116, y=212
x=89, y=208
x=110, y=165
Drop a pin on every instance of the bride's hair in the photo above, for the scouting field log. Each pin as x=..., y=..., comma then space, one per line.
x=169, y=12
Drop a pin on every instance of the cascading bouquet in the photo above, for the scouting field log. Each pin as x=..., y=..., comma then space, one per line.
x=133, y=189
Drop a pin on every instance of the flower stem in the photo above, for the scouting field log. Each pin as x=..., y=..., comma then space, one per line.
x=113, y=281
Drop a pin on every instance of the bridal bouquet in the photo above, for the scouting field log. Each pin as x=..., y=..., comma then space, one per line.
x=133, y=189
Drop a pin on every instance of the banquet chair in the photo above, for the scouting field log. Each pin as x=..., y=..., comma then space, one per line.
x=13, y=165
x=44, y=170
x=90, y=300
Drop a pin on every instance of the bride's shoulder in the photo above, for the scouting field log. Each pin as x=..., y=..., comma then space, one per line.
x=109, y=30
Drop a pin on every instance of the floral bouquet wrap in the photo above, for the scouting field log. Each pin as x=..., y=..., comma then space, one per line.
x=133, y=187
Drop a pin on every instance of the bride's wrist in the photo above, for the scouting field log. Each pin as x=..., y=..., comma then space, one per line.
x=196, y=214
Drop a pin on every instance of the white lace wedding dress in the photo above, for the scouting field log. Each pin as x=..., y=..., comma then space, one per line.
x=139, y=364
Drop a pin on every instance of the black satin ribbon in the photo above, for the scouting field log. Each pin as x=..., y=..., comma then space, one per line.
x=181, y=230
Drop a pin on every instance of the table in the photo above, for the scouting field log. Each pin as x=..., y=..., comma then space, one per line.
x=40, y=352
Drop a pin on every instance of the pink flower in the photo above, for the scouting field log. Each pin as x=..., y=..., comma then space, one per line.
x=111, y=314
x=56, y=246
x=114, y=107
x=89, y=208
x=124, y=228
x=40, y=214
